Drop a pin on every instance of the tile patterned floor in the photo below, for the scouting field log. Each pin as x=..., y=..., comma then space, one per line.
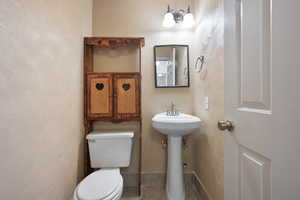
x=158, y=193
x=153, y=187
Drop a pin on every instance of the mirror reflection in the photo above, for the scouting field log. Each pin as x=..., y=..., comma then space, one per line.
x=171, y=66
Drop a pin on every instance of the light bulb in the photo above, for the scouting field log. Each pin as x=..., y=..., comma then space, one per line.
x=168, y=20
x=188, y=20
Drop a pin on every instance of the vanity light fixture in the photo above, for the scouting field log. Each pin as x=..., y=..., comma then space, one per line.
x=176, y=16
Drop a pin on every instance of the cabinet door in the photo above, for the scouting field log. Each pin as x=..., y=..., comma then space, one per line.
x=127, y=96
x=100, y=96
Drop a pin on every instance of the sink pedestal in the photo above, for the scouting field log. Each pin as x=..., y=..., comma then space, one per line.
x=175, y=181
x=175, y=127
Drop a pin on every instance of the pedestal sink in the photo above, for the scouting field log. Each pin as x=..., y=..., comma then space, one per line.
x=175, y=127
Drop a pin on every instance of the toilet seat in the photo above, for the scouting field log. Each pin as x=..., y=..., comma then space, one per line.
x=104, y=184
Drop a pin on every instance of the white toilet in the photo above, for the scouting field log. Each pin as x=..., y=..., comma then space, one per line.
x=108, y=151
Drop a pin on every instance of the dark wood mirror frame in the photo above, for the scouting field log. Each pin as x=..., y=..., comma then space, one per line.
x=188, y=66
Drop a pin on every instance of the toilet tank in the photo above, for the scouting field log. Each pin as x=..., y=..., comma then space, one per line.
x=110, y=148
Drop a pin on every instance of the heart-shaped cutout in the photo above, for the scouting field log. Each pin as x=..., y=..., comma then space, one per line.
x=99, y=86
x=126, y=86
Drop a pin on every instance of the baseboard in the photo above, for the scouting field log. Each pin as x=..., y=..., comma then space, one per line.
x=201, y=188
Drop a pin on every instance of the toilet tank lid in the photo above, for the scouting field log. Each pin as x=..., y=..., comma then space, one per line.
x=109, y=134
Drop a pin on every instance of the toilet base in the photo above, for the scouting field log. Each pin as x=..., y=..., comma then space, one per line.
x=116, y=194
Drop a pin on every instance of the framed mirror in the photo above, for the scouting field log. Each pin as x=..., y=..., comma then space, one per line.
x=171, y=63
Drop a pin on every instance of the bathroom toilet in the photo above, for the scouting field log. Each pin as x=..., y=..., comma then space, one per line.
x=108, y=151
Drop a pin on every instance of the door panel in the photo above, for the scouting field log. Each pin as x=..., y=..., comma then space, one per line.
x=99, y=95
x=127, y=96
x=126, y=90
x=253, y=26
x=254, y=176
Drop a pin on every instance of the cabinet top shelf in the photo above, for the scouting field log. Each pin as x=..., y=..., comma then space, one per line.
x=114, y=42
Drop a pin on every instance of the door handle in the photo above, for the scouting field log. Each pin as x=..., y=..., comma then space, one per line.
x=225, y=125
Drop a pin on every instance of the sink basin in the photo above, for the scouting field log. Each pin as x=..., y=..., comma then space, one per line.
x=178, y=125
x=175, y=127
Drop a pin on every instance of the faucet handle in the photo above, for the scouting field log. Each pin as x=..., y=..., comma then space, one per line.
x=173, y=106
x=176, y=111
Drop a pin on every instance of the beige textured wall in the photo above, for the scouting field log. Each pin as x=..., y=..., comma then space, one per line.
x=209, y=145
x=41, y=97
x=143, y=18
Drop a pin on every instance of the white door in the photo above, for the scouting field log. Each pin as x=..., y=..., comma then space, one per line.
x=262, y=98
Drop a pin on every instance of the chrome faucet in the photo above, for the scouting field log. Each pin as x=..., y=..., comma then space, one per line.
x=173, y=111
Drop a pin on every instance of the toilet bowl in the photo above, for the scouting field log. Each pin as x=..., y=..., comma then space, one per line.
x=109, y=150
x=103, y=184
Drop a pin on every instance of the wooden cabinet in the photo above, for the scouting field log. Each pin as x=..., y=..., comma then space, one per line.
x=113, y=96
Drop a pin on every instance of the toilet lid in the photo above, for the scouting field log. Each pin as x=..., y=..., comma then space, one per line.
x=99, y=184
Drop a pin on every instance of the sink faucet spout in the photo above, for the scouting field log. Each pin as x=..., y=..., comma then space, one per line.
x=173, y=111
